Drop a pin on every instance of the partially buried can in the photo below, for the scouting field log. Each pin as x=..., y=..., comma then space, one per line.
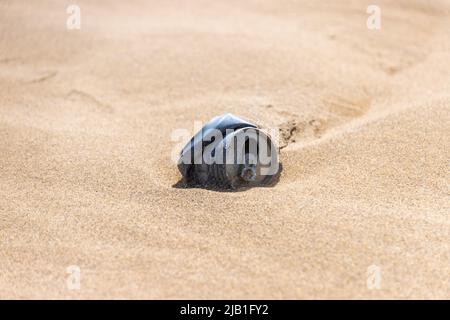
x=229, y=152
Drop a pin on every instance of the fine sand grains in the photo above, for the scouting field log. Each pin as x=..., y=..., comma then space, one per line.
x=86, y=124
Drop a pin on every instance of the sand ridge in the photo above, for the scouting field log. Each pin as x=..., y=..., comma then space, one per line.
x=86, y=118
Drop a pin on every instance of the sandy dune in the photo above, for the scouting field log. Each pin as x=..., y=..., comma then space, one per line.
x=86, y=118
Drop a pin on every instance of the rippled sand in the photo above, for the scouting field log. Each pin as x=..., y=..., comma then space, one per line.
x=86, y=118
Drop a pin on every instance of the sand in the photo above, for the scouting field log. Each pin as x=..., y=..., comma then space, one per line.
x=86, y=118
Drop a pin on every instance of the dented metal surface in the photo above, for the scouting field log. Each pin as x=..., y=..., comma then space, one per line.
x=229, y=152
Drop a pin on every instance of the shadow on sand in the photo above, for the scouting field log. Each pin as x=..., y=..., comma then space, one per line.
x=181, y=184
